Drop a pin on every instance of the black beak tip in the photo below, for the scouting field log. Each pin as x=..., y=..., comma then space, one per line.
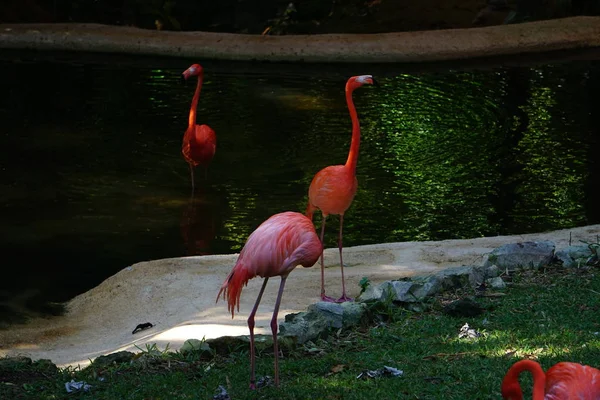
x=375, y=83
x=182, y=79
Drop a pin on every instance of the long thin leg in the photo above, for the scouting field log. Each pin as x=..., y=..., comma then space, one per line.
x=323, y=297
x=251, y=327
x=344, y=297
x=192, y=174
x=274, y=329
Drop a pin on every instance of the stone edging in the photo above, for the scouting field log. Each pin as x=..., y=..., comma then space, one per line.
x=421, y=46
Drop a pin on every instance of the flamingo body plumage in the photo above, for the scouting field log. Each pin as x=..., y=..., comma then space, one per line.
x=199, y=141
x=275, y=248
x=332, y=189
x=562, y=381
x=199, y=145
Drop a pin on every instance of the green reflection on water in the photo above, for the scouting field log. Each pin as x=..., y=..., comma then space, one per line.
x=95, y=179
x=553, y=155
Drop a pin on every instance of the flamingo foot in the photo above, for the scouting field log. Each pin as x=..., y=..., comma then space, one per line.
x=328, y=299
x=344, y=299
x=252, y=386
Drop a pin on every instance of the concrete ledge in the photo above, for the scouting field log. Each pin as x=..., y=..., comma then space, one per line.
x=421, y=46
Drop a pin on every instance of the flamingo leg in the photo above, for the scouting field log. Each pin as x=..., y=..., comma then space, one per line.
x=344, y=297
x=323, y=297
x=251, y=327
x=274, y=328
x=192, y=174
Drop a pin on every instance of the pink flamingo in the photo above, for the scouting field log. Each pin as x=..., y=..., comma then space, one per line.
x=333, y=188
x=275, y=248
x=563, y=381
x=199, y=141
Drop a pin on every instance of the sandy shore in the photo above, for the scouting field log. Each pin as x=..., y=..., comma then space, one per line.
x=178, y=296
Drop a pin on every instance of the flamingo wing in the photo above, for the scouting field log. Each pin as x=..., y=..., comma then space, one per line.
x=332, y=189
x=269, y=248
x=202, y=145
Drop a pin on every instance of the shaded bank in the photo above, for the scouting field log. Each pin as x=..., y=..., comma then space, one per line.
x=421, y=46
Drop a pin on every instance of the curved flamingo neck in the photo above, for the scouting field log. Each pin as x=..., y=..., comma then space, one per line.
x=194, y=106
x=539, y=377
x=355, y=143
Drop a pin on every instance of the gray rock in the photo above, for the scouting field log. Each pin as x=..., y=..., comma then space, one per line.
x=458, y=277
x=340, y=315
x=227, y=344
x=401, y=291
x=574, y=256
x=305, y=326
x=454, y=278
x=398, y=291
x=332, y=312
x=354, y=313
x=477, y=275
x=194, y=345
x=230, y=344
x=492, y=271
x=119, y=357
x=522, y=255
x=496, y=283
x=375, y=293
x=427, y=287
x=417, y=289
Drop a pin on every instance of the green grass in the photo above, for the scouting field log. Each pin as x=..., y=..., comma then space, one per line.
x=549, y=315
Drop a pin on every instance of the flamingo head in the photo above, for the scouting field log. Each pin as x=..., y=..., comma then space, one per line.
x=357, y=81
x=193, y=70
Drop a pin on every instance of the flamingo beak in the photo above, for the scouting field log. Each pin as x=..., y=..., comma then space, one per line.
x=183, y=79
x=375, y=83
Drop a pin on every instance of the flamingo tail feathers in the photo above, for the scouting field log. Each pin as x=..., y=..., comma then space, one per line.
x=232, y=287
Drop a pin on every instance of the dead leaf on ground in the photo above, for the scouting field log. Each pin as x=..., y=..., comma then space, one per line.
x=336, y=369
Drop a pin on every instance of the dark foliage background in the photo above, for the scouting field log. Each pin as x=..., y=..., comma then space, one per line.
x=285, y=17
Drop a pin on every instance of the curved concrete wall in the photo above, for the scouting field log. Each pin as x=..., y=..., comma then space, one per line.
x=439, y=45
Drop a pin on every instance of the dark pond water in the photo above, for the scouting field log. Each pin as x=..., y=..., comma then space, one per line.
x=93, y=179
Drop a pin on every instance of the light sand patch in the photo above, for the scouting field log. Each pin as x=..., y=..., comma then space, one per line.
x=178, y=296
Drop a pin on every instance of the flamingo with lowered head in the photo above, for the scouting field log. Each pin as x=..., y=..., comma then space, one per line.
x=199, y=141
x=275, y=248
x=563, y=381
x=333, y=188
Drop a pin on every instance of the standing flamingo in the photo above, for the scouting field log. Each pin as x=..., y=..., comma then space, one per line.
x=563, y=381
x=199, y=141
x=333, y=188
x=275, y=248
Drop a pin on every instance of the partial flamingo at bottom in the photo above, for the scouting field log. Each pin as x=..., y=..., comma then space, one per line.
x=563, y=381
